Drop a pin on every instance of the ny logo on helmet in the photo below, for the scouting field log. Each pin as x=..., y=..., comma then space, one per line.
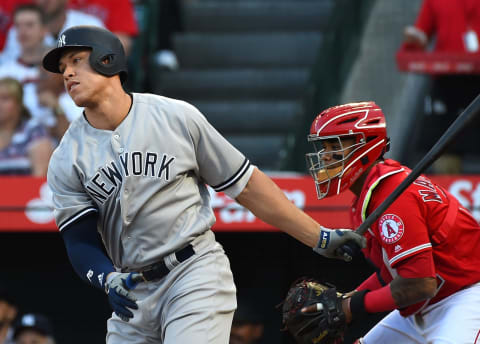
x=61, y=41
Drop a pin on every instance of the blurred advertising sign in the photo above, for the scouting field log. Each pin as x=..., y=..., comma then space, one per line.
x=26, y=205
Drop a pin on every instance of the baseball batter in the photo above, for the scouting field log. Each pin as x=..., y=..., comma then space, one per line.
x=134, y=169
x=425, y=246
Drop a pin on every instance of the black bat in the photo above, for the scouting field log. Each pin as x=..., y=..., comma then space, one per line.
x=465, y=118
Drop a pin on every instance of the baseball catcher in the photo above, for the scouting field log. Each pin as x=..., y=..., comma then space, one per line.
x=312, y=312
x=424, y=247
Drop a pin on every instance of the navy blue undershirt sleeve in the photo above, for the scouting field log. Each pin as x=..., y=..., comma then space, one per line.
x=85, y=251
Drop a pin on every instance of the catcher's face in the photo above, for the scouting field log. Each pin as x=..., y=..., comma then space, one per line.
x=329, y=160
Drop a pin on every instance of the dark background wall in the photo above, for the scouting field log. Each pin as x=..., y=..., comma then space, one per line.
x=36, y=269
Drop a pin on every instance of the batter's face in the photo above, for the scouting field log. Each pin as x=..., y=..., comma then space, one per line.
x=83, y=84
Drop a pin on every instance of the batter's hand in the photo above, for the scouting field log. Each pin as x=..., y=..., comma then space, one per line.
x=331, y=239
x=117, y=287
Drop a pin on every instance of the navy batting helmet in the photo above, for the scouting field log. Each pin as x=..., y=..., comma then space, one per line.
x=104, y=44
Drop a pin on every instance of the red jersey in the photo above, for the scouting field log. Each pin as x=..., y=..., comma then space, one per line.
x=117, y=15
x=425, y=217
x=449, y=20
x=6, y=11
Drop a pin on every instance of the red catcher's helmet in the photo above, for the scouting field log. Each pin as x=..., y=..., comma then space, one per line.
x=347, y=140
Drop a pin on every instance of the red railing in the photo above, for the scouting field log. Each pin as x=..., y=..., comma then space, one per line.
x=437, y=63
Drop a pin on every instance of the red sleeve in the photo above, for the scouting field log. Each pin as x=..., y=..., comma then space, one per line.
x=426, y=18
x=418, y=266
x=121, y=18
x=371, y=283
x=118, y=16
x=380, y=300
x=402, y=230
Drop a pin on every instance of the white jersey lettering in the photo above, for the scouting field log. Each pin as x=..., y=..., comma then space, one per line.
x=145, y=179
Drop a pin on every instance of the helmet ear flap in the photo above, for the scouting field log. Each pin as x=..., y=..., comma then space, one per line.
x=104, y=63
x=108, y=59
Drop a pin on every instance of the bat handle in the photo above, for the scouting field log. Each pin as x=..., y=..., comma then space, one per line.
x=349, y=250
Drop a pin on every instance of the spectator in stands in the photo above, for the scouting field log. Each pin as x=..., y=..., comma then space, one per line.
x=247, y=325
x=455, y=24
x=29, y=23
x=118, y=16
x=451, y=26
x=34, y=329
x=169, y=22
x=58, y=19
x=30, y=28
x=42, y=90
x=25, y=146
x=6, y=13
x=52, y=95
x=8, y=313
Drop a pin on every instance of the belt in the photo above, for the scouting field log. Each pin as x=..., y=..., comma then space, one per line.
x=160, y=270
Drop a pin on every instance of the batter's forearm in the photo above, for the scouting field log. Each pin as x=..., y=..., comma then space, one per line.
x=85, y=251
x=268, y=202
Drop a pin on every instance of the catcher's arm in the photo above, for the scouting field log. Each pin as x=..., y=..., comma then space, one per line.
x=400, y=293
x=326, y=324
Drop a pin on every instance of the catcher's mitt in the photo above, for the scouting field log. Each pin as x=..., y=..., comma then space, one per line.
x=326, y=325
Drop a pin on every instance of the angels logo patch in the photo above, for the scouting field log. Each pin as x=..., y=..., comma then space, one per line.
x=391, y=228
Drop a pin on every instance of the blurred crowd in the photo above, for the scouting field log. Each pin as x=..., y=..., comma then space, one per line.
x=35, y=110
x=34, y=117
x=444, y=26
x=22, y=328
x=17, y=327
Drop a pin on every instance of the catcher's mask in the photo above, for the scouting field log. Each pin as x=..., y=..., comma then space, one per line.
x=104, y=44
x=347, y=140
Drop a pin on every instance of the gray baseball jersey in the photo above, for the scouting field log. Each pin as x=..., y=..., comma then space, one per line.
x=146, y=179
